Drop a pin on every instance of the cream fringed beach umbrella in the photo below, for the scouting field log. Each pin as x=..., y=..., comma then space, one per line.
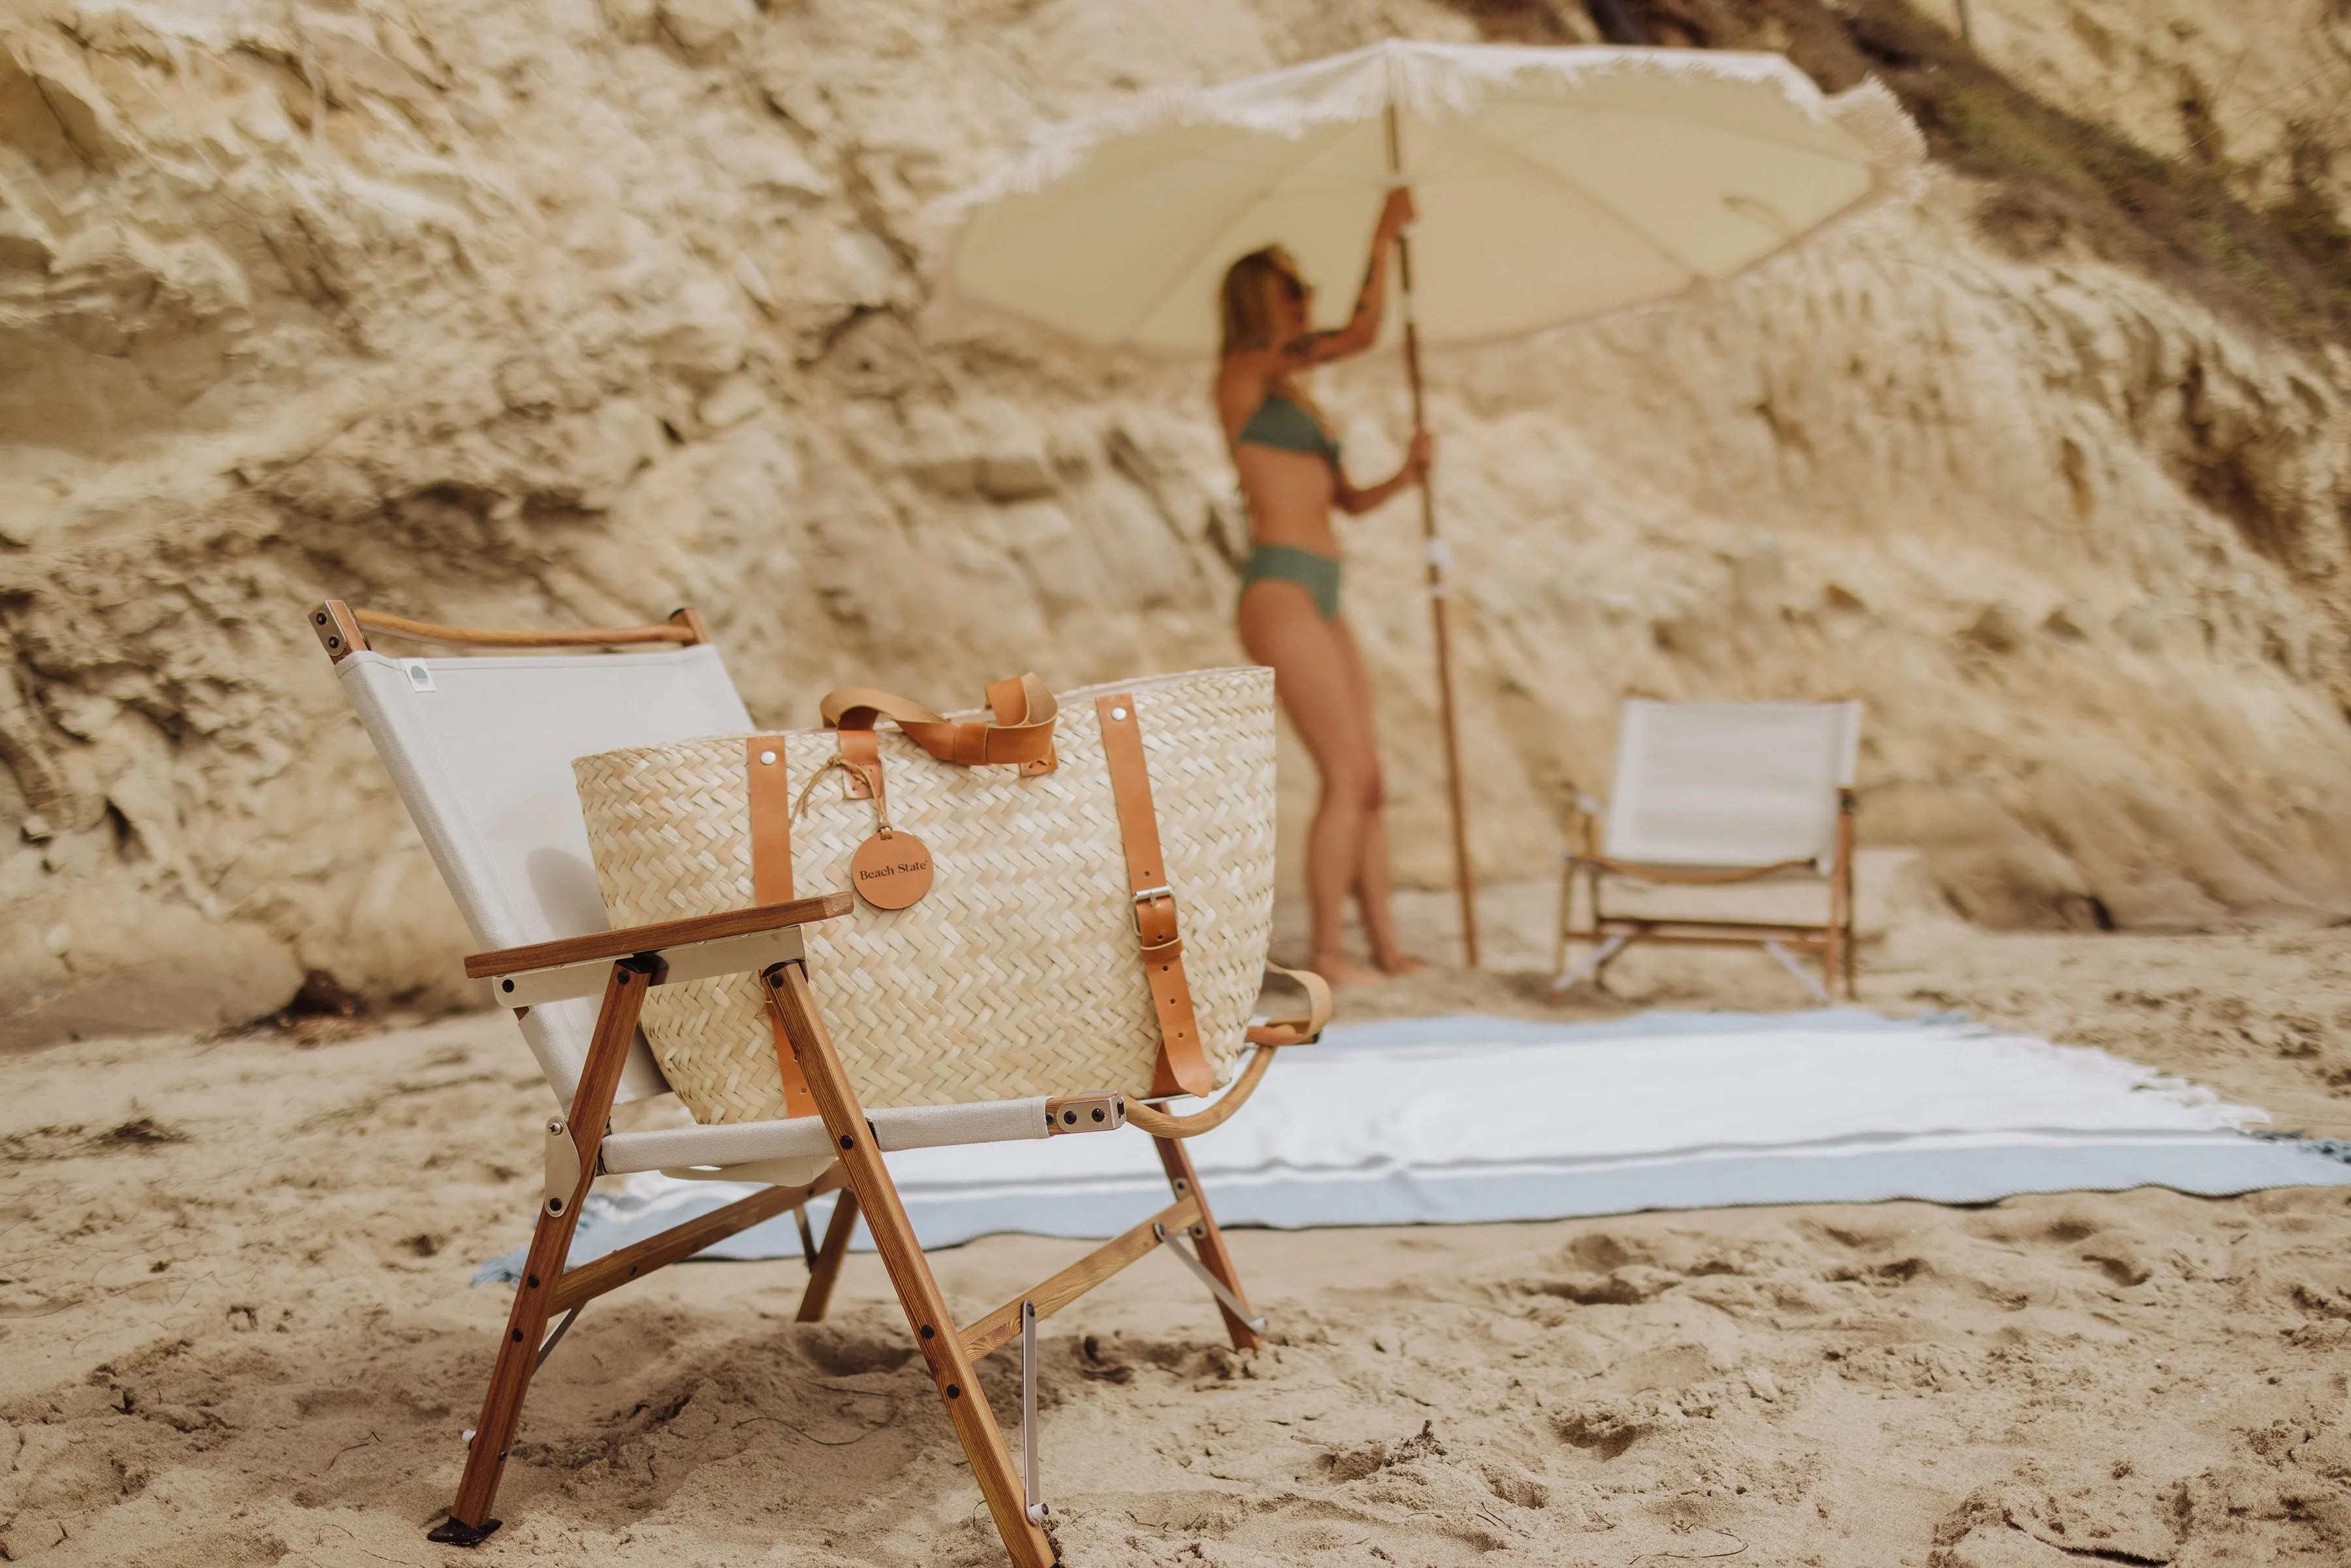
x=1552, y=184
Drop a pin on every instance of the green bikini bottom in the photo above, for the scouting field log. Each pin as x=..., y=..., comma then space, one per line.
x=1317, y=574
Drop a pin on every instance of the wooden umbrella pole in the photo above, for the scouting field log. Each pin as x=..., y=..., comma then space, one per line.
x=1439, y=589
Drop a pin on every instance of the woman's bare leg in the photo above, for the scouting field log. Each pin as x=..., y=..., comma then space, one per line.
x=1374, y=879
x=1279, y=626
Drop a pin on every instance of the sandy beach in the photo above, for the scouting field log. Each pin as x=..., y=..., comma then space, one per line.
x=236, y=1327
x=535, y=317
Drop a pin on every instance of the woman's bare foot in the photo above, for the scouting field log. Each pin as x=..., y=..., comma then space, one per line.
x=1397, y=965
x=1337, y=969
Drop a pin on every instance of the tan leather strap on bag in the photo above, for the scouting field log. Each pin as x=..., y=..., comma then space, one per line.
x=1183, y=1067
x=771, y=879
x=1297, y=1031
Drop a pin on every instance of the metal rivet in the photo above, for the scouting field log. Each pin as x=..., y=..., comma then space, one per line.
x=1098, y=1113
x=319, y=619
x=768, y=758
x=506, y=985
x=1069, y=1118
x=334, y=641
x=847, y=1142
x=1118, y=712
x=953, y=1392
x=929, y=1330
x=533, y=1281
x=517, y=1334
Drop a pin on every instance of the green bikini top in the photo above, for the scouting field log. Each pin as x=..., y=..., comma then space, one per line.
x=1283, y=425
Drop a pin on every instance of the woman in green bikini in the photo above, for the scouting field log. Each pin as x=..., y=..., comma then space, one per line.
x=1290, y=476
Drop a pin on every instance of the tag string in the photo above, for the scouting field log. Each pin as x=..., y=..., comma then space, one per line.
x=872, y=778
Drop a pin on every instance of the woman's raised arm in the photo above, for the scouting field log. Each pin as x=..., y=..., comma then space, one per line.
x=1363, y=327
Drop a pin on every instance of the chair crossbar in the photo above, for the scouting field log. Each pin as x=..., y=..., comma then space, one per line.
x=998, y=1328
x=896, y=1128
x=1739, y=933
x=591, y=1280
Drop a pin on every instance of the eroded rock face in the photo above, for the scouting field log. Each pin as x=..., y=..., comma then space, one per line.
x=578, y=311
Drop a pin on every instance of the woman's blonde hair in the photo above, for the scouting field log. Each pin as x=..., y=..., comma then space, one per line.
x=1252, y=297
x=1252, y=291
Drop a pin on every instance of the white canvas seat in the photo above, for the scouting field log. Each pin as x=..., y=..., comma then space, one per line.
x=1718, y=794
x=480, y=749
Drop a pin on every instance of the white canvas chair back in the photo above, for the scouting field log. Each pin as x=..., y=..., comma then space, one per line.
x=1729, y=784
x=480, y=750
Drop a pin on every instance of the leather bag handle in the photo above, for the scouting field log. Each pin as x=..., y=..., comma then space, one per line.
x=1021, y=732
x=1297, y=1031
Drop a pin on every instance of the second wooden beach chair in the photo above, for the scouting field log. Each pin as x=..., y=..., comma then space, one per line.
x=1711, y=796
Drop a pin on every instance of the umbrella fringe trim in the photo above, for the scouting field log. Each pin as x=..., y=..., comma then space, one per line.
x=1431, y=81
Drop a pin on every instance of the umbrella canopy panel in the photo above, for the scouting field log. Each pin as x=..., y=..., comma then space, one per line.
x=1552, y=184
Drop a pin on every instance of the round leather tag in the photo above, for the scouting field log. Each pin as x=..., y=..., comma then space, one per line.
x=891, y=870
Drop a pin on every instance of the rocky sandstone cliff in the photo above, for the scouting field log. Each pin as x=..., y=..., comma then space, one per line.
x=545, y=311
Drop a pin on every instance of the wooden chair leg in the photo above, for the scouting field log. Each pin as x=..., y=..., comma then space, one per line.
x=1177, y=1162
x=469, y=1519
x=827, y=1268
x=1852, y=964
x=1566, y=911
x=1848, y=805
x=936, y=1334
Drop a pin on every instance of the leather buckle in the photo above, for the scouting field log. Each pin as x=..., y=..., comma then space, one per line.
x=1142, y=896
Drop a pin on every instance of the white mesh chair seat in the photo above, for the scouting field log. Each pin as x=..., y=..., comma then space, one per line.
x=1717, y=785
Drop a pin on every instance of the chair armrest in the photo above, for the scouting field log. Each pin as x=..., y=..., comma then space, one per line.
x=695, y=948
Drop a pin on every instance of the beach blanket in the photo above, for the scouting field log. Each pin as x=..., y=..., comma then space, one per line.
x=1468, y=1119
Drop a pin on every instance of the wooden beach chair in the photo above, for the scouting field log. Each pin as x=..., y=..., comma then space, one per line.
x=480, y=749
x=1714, y=795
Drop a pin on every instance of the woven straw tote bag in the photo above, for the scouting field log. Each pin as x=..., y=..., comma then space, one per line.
x=1019, y=973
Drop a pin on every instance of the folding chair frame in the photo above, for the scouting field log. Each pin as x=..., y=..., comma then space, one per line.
x=1610, y=934
x=642, y=957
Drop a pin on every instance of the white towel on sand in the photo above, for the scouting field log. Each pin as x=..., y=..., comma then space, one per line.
x=1467, y=1119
